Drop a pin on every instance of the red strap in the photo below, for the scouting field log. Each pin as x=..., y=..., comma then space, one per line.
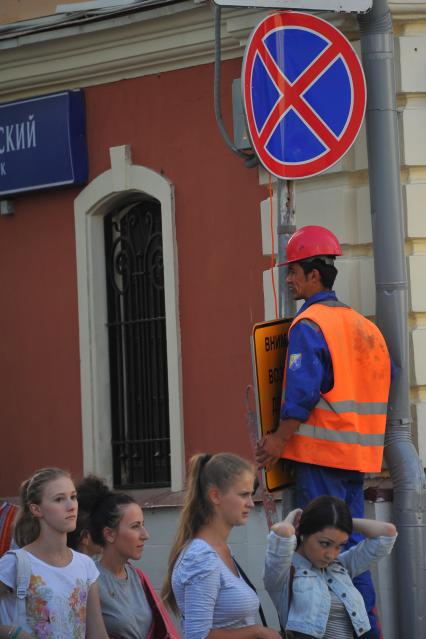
x=290, y=585
x=7, y=515
x=162, y=627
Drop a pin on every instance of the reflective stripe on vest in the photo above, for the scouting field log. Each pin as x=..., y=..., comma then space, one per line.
x=346, y=436
x=346, y=428
x=350, y=406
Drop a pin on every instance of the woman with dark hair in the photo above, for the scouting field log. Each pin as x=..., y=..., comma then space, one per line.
x=130, y=607
x=308, y=576
x=80, y=539
x=204, y=585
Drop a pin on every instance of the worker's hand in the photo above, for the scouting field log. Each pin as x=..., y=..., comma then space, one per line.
x=269, y=450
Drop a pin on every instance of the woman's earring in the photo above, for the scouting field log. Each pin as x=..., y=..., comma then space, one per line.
x=301, y=537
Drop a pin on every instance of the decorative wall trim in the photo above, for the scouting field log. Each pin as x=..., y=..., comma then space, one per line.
x=152, y=41
x=110, y=50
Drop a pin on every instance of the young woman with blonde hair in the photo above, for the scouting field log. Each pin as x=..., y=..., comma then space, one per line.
x=203, y=584
x=62, y=599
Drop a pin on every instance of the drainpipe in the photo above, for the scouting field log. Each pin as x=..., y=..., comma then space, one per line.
x=409, y=488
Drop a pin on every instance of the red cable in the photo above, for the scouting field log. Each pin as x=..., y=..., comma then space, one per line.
x=271, y=224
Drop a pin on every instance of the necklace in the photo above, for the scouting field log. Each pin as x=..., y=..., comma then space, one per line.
x=117, y=582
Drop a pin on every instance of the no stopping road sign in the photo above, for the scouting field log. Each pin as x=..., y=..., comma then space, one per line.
x=303, y=93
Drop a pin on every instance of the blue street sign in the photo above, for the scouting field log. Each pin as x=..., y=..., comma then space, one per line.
x=43, y=143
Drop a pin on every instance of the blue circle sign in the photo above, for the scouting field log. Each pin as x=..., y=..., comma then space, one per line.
x=303, y=93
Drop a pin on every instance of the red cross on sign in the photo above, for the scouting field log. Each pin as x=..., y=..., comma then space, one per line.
x=303, y=92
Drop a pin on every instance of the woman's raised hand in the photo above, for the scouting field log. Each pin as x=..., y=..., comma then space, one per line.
x=289, y=525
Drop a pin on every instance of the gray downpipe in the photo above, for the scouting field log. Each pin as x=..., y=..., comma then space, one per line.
x=406, y=471
x=250, y=159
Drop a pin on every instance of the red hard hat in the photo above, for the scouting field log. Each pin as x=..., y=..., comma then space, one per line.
x=309, y=241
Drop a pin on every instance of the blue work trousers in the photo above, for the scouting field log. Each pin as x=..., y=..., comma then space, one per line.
x=313, y=481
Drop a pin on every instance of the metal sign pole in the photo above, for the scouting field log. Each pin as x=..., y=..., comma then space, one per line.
x=286, y=226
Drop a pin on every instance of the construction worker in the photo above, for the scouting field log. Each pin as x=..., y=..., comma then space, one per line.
x=337, y=379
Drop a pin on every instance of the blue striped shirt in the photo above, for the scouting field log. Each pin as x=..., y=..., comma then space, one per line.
x=208, y=594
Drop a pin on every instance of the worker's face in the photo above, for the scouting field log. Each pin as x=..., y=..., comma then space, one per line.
x=300, y=285
x=323, y=547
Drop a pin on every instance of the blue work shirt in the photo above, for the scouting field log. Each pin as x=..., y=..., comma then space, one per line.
x=309, y=366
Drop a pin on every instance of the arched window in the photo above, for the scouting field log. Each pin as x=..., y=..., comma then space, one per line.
x=131, y=395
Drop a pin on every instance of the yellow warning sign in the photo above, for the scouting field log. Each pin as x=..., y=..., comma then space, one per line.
x=269, y=349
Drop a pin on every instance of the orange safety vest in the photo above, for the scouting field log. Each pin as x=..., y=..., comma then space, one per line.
x=346, y=428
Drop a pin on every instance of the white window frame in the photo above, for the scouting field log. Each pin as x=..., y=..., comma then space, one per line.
x=116, y=187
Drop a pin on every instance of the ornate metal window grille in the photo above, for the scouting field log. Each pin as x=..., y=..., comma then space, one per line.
x=137, y=346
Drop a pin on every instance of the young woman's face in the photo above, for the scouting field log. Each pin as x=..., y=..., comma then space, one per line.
x=234, y=505
x=323, y=547
x=58, y=507
x=130, y=535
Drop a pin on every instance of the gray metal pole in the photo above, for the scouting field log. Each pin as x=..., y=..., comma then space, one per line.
x=392, y=314
x=285, y=228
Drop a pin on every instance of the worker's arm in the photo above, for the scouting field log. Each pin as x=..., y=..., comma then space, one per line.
x=309, y=373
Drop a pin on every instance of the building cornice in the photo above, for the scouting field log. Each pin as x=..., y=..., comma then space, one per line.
x=165, y=38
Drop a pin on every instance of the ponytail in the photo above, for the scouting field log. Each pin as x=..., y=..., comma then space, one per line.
x=205, y=470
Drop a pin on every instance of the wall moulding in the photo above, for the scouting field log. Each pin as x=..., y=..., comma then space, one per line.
x=77, y=57
x=162, y=39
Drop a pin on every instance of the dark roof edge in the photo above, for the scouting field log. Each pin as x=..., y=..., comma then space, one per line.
x=78, y=19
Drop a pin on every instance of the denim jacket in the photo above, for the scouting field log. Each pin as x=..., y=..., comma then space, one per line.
x=310, y=598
